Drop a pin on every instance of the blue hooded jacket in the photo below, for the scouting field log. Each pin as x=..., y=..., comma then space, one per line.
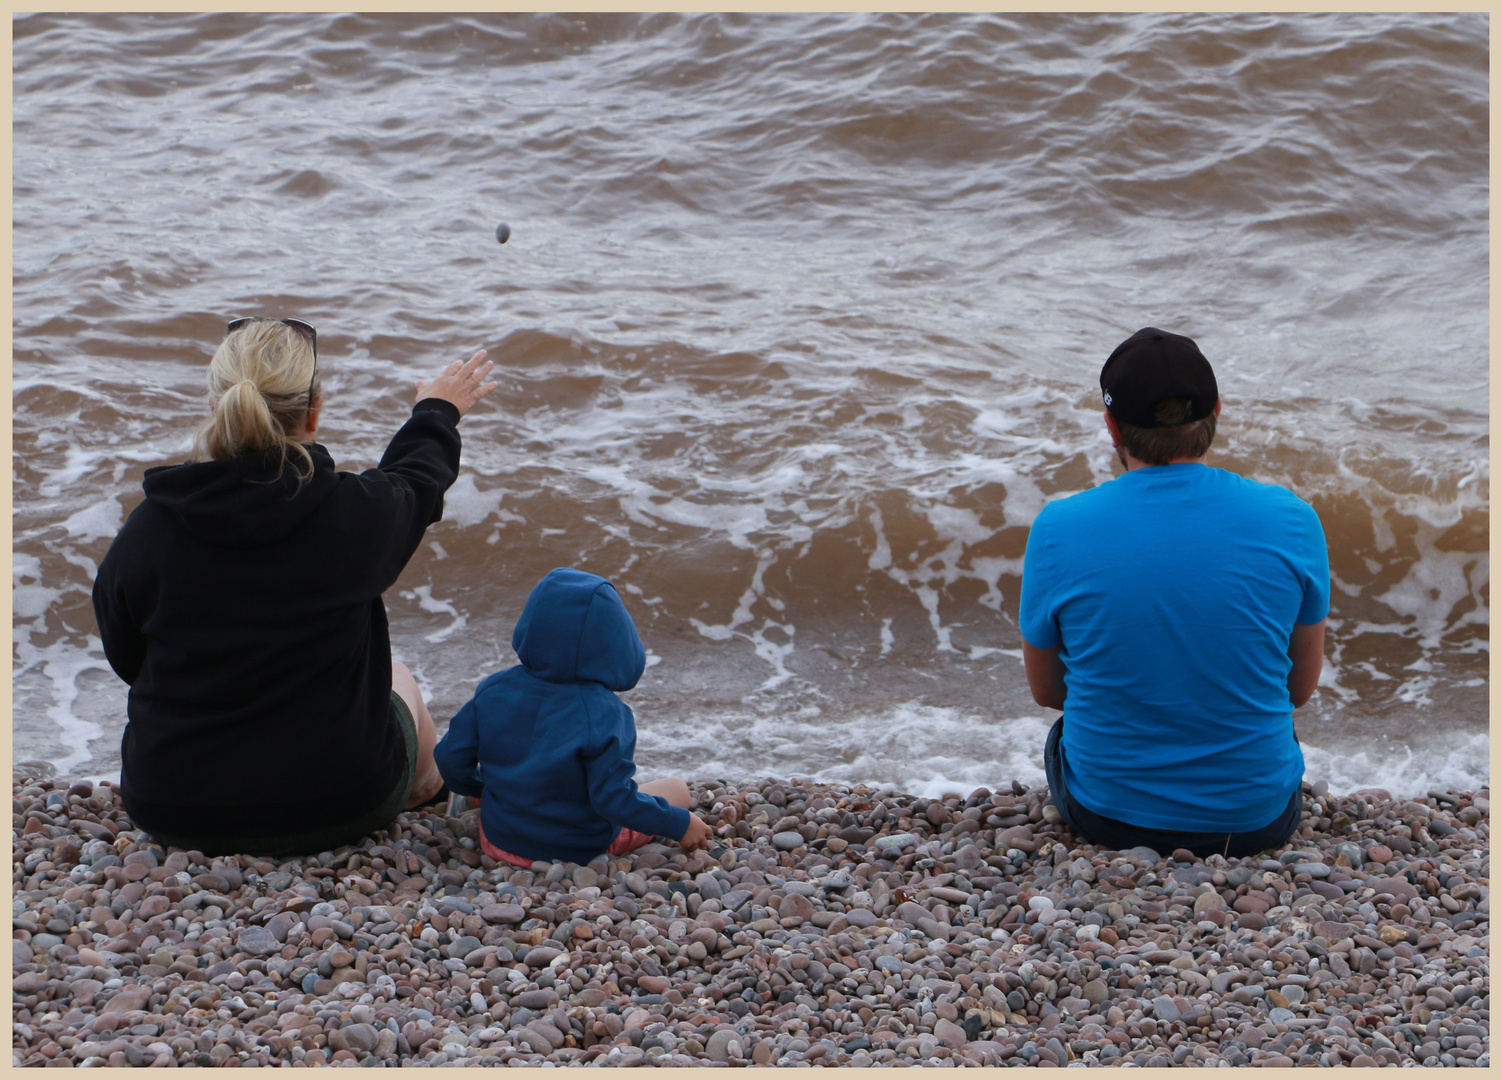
x=546, y=745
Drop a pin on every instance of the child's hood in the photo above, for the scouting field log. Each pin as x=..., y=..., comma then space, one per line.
x=575, y=629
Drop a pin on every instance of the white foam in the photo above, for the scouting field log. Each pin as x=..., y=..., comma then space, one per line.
x=466, y=506
x=1435, y=586
x=29, y=601
x=713, y=632
x=1460, y=761
x=448, y=631
x=916, y=747
x=77, y=463
x=957, y=524
x=929, y=750
x=101, y=521
x=881, y=551
x=423, y=594
x=32, y=601
x=734, y=521
x=59, y=666
x=980, y=652
x=24, y=567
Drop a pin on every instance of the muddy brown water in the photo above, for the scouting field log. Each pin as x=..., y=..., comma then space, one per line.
x=798, y=326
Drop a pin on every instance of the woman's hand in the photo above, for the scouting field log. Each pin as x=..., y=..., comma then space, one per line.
x=698, y=835
x=461, y=384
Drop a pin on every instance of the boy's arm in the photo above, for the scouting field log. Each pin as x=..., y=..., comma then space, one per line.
x=609, y=770
x=458, y=752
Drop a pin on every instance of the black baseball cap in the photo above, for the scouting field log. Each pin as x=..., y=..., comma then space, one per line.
x=1151, y=366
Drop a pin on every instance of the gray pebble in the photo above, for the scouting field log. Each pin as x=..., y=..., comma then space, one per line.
x=894, y=843
x=725, y=1044
x=535, y=999
x=360, y=1036
x=258, y=941
x=1352, y=852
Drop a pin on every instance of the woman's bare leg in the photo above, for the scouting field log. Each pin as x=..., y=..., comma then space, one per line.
x=427, y=781
x=671, y=788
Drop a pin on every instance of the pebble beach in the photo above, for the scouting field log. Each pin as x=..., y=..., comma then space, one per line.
x=829, y=925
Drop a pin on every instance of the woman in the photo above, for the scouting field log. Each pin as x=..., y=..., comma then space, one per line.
x=242, y=603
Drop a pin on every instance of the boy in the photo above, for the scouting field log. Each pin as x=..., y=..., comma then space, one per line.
x=547, y=745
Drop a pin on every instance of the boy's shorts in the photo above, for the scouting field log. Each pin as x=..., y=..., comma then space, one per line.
x=625, y=840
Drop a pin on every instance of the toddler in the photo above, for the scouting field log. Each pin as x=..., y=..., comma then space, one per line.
x=547, y=745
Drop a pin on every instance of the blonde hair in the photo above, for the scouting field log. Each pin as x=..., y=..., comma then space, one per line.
x=259, y=382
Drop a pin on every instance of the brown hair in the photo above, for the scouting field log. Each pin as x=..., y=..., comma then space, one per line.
x=259, y=382
x=1175, y=439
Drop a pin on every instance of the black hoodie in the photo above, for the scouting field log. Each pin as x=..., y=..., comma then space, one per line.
x=246, y=616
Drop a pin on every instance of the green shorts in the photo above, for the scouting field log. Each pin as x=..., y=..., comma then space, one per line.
x=325, y=837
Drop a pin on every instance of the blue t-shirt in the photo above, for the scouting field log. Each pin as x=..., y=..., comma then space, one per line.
x=1173, y=590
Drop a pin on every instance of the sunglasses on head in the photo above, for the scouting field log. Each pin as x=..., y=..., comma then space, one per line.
x=307, y=331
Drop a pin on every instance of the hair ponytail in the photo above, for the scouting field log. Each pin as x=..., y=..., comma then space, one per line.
x=241, y=423
x=259, y=382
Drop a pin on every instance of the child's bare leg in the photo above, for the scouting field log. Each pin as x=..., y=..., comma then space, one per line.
x=427, y=781
x=671, y=788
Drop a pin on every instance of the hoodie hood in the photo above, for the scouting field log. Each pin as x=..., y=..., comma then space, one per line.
x=240, y=502
x=575, y=629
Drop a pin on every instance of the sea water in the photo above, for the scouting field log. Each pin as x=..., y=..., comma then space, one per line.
x=799, y=326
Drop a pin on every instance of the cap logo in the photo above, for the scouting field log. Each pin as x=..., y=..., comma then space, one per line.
x=1108, y=399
